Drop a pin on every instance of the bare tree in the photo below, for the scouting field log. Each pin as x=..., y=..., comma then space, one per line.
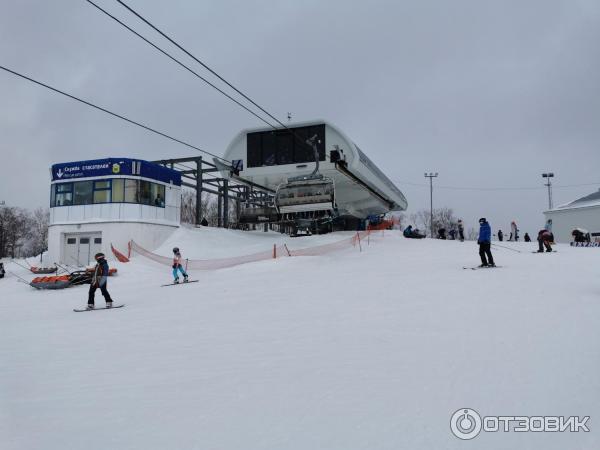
x=14, y=231
x=442, y=218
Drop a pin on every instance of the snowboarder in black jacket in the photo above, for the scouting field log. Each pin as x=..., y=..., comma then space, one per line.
x=2, y=272
x=500, y=235
x=99, y=280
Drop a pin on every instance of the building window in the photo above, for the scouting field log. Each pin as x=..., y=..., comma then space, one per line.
x=157, y=193
x=71, y=241
x=145, y=193
x=64, y=194
x=131, y=191
x=83, y=192
x=118, y=190
x=102, y=191
x=84, y=240
x=278, y=147
x=97, y=240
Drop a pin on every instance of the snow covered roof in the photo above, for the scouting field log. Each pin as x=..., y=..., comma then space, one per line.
x=587, y=201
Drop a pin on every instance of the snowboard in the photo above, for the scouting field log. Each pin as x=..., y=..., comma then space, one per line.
x=477, y=267
x=553, y=251
x=183, y=282
x=96, y=309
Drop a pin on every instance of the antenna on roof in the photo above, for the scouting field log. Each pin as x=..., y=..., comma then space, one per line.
x=289, y=117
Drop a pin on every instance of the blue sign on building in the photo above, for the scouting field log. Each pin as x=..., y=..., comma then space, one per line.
x=114, y=167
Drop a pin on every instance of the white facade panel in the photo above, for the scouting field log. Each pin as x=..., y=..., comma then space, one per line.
x=564, y=221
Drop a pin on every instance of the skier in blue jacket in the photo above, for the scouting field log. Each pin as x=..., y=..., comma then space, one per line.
x=485, y=243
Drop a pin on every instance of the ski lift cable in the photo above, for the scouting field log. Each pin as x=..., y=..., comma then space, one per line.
x=188, y=53
x=85, y=102
x=168, y=55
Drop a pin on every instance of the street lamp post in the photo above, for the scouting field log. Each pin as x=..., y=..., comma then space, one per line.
x=431, y=176
x=548, y=184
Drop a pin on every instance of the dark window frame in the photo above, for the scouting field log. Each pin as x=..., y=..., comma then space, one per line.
x=69, y=188
x=278, y=146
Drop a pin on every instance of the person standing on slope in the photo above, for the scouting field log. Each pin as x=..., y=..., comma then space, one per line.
x=500, y=235
x=99, y=280
x=177, y=267
x=461, y=230
x=485, y=243
x=544, y=239
x=514, y=230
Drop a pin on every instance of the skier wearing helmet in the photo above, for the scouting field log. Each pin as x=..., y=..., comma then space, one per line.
x=485, y=242
x=177, y=267
x=99, y=280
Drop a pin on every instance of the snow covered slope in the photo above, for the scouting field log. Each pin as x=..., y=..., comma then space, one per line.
x=351, y=350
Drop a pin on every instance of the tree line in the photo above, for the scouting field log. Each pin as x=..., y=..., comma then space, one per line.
x=23, y=233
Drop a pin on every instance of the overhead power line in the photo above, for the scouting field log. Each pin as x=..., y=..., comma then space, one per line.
x=85, y=102
x=168, y=55
x=525, y=188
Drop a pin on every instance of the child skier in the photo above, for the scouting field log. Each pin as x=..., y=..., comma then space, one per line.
x=99, y=280
x=177, y=267
x=485, y=242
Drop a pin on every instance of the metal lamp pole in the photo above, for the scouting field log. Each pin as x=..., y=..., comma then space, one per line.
x=431, y=176
x=548, y=176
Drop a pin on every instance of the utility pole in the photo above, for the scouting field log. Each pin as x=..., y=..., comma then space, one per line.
x=548, y=184
x=431, y=176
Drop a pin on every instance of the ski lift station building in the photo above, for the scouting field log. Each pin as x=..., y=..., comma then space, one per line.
x=581, y=213
x=99, y=202
x=270, y=158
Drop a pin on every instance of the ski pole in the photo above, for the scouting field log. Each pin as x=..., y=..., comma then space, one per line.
x=66, y=270
x=20, y=265
x=507, y=248
x=17, y=276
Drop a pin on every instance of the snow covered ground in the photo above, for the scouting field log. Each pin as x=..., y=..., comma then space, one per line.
x=350, y=350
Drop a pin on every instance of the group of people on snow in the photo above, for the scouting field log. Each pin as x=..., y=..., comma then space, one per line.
x=545, y=238
x=101, y=272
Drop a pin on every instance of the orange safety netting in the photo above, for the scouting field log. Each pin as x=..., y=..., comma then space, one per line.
x=120, y=256
x=277, y=250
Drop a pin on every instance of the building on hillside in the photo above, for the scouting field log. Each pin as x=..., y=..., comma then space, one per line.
x=113, y=200
x=581, y=213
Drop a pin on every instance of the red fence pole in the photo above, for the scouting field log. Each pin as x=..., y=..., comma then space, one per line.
x=274, y=251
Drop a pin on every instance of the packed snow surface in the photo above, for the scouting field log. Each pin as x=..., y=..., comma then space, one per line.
x=349, y=350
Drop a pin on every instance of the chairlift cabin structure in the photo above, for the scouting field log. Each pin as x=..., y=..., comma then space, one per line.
x=317, y=172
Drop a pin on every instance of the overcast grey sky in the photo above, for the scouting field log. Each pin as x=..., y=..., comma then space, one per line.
x=488, y=94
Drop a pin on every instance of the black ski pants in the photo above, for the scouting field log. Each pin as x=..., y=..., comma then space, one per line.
x=92, y=293
x=485, y=248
